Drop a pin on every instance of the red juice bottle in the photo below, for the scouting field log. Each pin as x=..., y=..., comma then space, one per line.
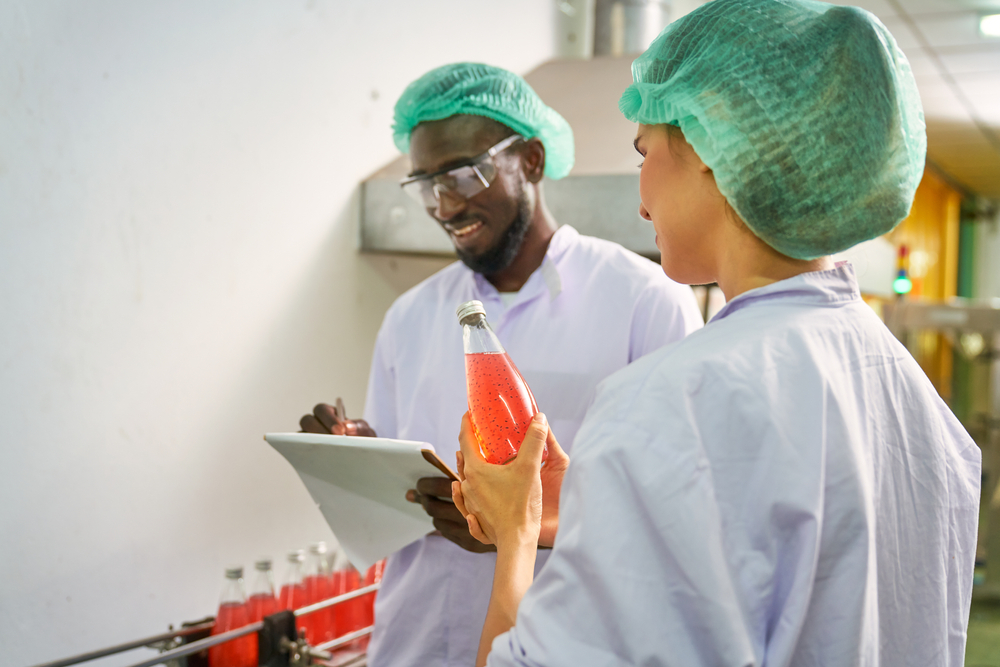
x=500, y=402
x=372, y=576
x=319, y=587
x=241, y=652
x=348, y=616
x=262, y=600
x=293, y=591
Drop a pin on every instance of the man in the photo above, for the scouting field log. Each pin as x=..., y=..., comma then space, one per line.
x=570, y=310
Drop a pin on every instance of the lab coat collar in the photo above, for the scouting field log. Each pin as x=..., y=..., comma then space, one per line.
x=833, y=286
x=545, y=279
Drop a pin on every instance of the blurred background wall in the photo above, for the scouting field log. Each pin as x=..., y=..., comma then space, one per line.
x=179, y=275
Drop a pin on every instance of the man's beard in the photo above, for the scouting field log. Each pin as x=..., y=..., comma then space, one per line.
x=507, y=247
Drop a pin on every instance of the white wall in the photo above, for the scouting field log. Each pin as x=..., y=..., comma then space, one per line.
x=178, y=275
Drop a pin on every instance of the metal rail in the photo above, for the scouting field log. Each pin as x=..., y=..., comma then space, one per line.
x=346, y=639
x=127, y=646
x=201, y=645
x=302, y=611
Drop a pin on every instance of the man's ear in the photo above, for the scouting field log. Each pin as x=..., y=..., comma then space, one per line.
x=533, y=160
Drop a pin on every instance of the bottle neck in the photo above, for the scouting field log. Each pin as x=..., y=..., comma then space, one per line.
x=319, y=565
x=294, y=576
x=232, y=592
x=263, y=583
x=478, y=336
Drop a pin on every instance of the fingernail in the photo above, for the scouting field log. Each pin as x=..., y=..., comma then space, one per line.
x=540, y=418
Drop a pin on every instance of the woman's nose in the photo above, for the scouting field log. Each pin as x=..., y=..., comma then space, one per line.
x=643, y=213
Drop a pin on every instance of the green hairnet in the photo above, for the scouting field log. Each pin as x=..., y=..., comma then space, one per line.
x=483, y=90
x=807, y=113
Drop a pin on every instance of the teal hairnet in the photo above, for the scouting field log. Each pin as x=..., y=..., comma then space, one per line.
x=483, y=90
x=807, y=113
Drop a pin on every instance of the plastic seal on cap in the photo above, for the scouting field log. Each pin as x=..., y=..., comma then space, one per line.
x=234, y=572
x=296, y=556
x=318, y=548
x=468, y=308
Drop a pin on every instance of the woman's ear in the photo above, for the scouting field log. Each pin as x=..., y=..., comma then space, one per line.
x=533, y=160
x=702, y=167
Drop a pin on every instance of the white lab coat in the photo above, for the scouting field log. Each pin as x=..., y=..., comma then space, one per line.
x=783, y=487
x=589, y=309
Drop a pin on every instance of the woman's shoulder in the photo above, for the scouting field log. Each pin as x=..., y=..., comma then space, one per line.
x=723, y=361
x=666, y=374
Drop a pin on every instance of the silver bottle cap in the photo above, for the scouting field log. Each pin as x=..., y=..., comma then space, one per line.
x=234, y=572
x=470, y=308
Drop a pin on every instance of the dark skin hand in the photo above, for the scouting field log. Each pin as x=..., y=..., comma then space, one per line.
x=330, y=419
x=450, y=523
x=433, y=493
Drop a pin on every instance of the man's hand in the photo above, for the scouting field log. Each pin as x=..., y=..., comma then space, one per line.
x=552, y=473
x=431, y=493
x=333, y=419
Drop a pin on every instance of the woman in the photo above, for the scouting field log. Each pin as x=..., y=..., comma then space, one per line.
x=783, y=487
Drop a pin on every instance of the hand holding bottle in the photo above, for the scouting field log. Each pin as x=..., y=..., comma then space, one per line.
x=503, y=504
x=431, y=493
x=501, y=404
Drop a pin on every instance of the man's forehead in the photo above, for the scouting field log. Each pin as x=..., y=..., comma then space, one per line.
x=435, y=144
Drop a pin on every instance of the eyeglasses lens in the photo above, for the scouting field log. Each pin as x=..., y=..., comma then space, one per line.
x=461, y=183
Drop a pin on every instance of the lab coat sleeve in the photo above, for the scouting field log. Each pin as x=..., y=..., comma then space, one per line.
x=665, y=312
x=381, y=404
x=638, y=575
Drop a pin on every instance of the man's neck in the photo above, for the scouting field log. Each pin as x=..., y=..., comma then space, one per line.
x=532, y=253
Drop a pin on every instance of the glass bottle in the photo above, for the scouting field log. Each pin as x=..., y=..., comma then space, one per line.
x=500, y=403
x=348, y=616
x=372, y=576
x=293, y=591
x=262, y=601
x=241, y=652
x=319, y=587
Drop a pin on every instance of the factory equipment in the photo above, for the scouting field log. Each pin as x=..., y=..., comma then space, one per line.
x=277, y=641
x=973, y=329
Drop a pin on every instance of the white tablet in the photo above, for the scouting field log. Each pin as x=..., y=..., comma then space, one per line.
x=360, y=485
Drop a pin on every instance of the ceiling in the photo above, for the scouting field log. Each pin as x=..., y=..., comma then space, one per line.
x=958, y=75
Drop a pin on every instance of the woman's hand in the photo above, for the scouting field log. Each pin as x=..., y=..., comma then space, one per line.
x=503, y=504
x=552, y=473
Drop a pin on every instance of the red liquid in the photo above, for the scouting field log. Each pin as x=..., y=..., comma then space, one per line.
x=374, y=575
x=500, y=403
x=260, y=606
x=292, y=596
x=348, y=616
x=319, y=624
x=240, y=652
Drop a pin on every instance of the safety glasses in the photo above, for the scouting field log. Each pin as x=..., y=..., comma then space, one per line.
x=460, y=182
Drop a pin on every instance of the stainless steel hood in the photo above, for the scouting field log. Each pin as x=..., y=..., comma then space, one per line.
x=600, y=197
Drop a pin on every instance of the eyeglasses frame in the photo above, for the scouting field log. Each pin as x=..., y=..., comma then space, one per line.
x=474, y=162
